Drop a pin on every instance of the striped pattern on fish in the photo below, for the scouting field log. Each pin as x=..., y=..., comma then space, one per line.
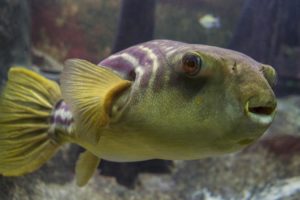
x=62, y=118
x=145, y=62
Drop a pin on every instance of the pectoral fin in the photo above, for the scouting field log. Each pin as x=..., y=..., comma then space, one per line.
x=86, y=165
x=89, y=90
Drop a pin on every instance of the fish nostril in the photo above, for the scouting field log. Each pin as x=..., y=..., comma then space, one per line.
x=262, y=110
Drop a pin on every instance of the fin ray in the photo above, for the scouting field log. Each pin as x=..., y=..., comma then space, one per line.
x=86, y=165
x=89, y=90
x=26, y=104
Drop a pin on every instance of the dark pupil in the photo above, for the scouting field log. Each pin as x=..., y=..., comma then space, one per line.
x=191, y=64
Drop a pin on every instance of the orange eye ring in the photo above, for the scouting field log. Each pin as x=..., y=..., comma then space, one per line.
x=191, y=64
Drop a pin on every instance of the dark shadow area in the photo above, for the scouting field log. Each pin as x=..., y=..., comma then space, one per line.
x=7, y=188
x=14, y=35
x=127, y=173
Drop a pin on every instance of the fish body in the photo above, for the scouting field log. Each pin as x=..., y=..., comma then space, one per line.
x=160, y=119
x=161, y=99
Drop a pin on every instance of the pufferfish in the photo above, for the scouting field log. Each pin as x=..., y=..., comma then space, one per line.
x=160, y=99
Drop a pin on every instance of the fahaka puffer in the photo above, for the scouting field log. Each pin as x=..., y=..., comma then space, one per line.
x=160, y=99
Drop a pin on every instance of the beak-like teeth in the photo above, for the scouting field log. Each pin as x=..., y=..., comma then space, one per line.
x=261, y=115
x=261, y=119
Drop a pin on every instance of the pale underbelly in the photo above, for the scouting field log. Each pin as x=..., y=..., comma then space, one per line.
x=126, y=147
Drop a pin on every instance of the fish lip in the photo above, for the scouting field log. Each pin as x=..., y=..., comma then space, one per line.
x=260, y=118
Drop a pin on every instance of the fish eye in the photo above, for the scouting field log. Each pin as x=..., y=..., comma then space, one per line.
x=191, y=64
x=270, y=74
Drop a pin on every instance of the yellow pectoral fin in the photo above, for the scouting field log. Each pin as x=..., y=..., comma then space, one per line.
x=86, y=165
x=89, y=90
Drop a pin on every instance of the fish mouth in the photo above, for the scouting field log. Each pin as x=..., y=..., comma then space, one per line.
x=261, y=114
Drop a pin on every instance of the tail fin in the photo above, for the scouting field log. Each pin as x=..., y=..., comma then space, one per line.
x=26, y=104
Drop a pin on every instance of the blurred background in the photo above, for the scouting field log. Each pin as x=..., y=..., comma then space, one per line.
x=42, y=34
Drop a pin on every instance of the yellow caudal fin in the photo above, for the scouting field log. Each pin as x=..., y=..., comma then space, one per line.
x=89, y=91
x=26, y=103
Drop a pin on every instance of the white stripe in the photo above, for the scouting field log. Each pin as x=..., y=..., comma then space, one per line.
x=129, y=58
x=154, y=59
x=169, y=48
x=63, y=114
x=169, y=53
x=139, y=73
x=139, y=70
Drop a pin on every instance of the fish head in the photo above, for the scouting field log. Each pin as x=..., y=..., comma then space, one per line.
x=223, y=93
